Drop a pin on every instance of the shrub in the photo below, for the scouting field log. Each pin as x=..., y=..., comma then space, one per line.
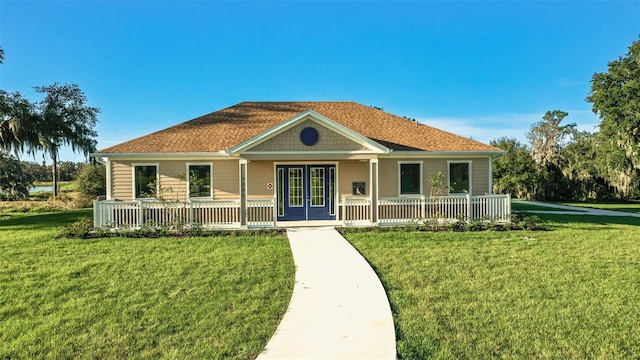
x=92, y=181
x=521, y=220
x=457, y=225
x=81, y=229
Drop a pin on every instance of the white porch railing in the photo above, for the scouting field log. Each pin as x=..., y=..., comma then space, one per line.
x=117, y=214
x=402, y=210
x=356, y=211
x=214, y=213
x=200, y=212
x=494, y=207
x=261, y=213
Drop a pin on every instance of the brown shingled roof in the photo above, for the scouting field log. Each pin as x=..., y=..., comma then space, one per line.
x=226, y=128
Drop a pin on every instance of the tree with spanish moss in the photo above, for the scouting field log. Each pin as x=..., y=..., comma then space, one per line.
x=615, y=95
x=65, y=119
x=548, y=139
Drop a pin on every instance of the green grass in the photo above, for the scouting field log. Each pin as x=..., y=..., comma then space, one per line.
x=527, y=207
x=569, y=293
x=627, y=206
x=140, y=298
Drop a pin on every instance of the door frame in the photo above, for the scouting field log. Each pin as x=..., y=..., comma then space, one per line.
x=307, y=164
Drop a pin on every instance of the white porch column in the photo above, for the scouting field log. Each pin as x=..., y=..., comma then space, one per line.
x=490, y=175
x=109, y=179
x=373, y=193
x=243, y=193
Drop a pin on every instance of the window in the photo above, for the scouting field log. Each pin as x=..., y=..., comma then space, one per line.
x=410, y=178
x=295, y=187
x=459, y=177
x=145, y=178
x=199, y=180
x=317, y=186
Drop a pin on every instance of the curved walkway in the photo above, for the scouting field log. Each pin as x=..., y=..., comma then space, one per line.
x=338, y=310
x=573, y=210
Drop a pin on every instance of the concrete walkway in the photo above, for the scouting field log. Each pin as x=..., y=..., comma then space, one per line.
x=573, y=210
x=338, y=310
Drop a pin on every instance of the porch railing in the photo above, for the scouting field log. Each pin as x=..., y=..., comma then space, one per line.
x=200, y=212
x=354, y=211
x=402, y=210
x=261, y=213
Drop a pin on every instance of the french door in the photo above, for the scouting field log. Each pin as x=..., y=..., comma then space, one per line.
x=306, y=192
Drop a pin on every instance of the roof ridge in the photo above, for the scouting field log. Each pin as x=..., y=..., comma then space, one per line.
x=294, y=102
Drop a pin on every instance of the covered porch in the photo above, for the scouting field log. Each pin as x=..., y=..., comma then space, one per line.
x=263, y=213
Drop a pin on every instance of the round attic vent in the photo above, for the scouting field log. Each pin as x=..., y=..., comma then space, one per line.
x=309, y=136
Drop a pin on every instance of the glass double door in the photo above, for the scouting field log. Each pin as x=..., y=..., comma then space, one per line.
x=306, y=192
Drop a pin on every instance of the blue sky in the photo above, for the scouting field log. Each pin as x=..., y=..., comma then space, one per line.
x=479, y=69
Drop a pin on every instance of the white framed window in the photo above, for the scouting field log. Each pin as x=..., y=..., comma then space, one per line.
x=145, y=180
x=200, y=180
x=410, y=178
x=295, y=187
x=459, y=176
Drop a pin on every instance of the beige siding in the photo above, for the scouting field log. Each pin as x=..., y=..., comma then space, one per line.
x=480, y=177
x=350, y=171
x=388, y=174
x=290, y=140
x=226, y=179
x=388, y=177
x=173, y=184
x=260, y=173
x=121, y=180
x=173, y=178
x=431, y=168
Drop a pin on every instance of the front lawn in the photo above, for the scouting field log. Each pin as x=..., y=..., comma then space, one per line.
x=142, y=298
x=626, y=206
x=570, y=293
x=517, y=206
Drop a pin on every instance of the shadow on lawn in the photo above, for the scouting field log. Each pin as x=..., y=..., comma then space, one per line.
x=588, y=222
x=43, y=220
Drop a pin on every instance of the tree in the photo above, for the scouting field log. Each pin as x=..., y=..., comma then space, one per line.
x=68, y=170
x=65, y=119
x=17, y=131
x=615, y=95
x=583, y=167
x=39, y=172
x=515, y=172
x=14, y=181
x=547, y=139
x=1, y=56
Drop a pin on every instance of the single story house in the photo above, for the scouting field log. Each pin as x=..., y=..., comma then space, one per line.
x=266, y=164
